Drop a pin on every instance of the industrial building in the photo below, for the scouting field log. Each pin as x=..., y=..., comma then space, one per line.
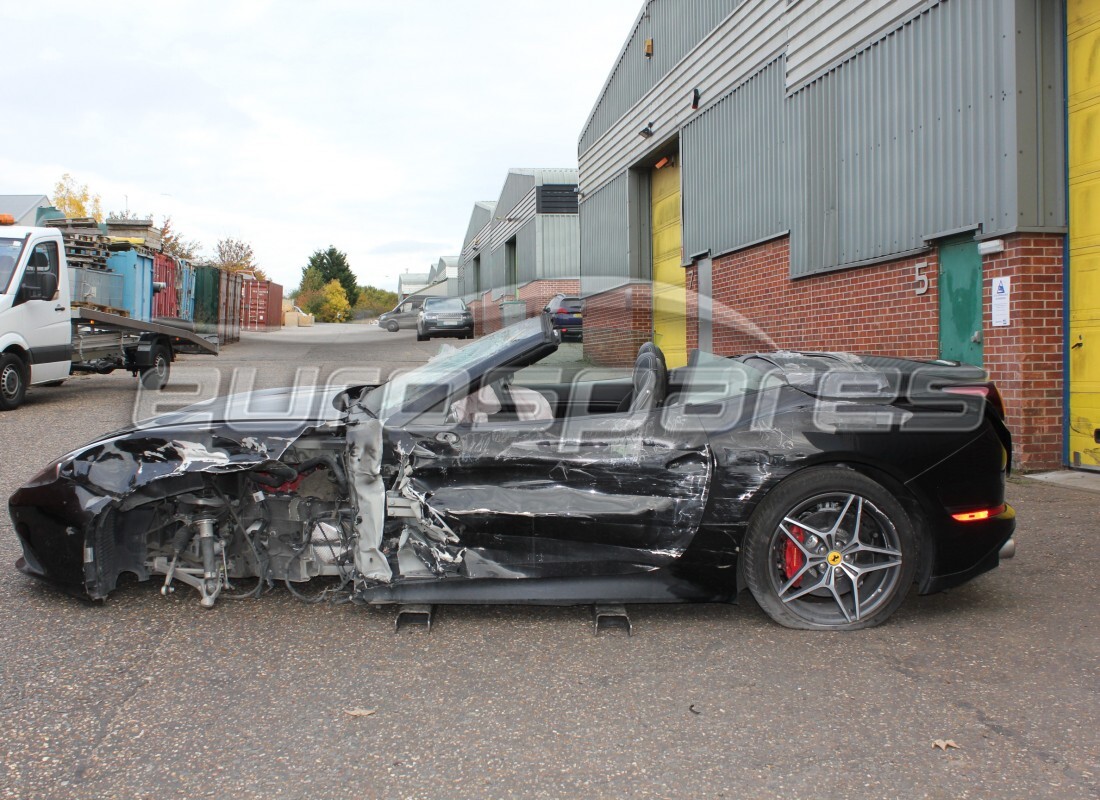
x=884, y=177
x=521, y=249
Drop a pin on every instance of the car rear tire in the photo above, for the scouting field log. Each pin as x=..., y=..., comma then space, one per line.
x=155, y=376
x=830, y=549
x=392, y=326
x=13, y=381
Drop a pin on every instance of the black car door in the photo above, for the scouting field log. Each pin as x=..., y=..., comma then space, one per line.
x=600, y=494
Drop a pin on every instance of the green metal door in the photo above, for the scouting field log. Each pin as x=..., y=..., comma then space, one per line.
x=960, y=291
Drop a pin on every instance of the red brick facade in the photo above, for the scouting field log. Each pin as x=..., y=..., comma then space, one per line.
x=487, y=311
x=874, y=310
x=616, y=323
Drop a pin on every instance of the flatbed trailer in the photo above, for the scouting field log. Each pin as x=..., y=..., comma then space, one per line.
x=44, y=339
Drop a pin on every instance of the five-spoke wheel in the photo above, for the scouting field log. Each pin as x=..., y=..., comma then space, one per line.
x=830, y=548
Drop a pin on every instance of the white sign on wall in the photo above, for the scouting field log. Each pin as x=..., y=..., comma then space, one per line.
x=1002, y=291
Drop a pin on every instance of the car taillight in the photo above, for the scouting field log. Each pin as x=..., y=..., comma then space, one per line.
x=980, y=514
x=562, y=311
x=986, y=390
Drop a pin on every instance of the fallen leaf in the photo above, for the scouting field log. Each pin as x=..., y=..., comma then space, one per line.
x=364, y=712
x=693, y=709
x=945, y=744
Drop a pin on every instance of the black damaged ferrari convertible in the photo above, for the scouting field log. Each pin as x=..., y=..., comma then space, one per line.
x=511, y=471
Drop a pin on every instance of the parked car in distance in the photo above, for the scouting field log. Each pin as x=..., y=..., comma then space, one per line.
x=403, y=315
x=566, y=316
x=444, y=316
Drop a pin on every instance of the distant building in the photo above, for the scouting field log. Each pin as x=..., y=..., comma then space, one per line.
x=522, y=248
x=24, y=207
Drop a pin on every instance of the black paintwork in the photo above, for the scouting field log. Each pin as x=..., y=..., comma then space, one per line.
x=596, y=504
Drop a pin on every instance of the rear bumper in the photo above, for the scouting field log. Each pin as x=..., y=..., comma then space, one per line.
x=965, y=550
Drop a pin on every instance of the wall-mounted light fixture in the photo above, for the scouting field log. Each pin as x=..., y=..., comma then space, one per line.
x=647, y=131
x=664, y=162
x=695, y=97
x=991, y=247
x=649, y=48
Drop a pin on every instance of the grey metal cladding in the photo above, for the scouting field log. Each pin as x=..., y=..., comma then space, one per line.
x=917, y=135
x=735, y=167
x=526, y=254
x=556, y=198
x=559, y=245
x=604, y=234
x=676, y=27
x=516, y=187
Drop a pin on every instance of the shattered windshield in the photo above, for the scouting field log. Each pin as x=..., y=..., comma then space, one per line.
x=450, y=367
x=9, y=257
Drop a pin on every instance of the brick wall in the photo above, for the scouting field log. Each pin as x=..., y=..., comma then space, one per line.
x=756, y=306
x=616, y=323
x=1025, y=359
x=876, y=310
x=538, y=293
x=487, y=312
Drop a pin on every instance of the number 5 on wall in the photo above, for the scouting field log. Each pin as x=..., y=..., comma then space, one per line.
x=919, y=278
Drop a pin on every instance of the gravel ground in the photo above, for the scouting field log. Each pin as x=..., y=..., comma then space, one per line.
x=144, y=696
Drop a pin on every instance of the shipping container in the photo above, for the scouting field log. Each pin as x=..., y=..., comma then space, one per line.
x=95, y=287
x=136, y=268
x=166, y=302
x=185, y=278
x=229, y=306
x=206, y=299
x=261, y=308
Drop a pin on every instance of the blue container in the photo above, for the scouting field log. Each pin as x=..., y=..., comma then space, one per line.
x=136, y=270
x=186, y=283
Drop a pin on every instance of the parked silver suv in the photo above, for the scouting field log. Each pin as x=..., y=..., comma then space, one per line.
x=444, y=316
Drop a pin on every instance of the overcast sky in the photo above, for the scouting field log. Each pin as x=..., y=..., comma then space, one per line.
x=371, y=126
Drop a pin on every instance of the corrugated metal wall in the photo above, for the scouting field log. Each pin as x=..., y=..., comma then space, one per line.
x=476, y=241
x=954, y=119
x=734, y=159
x=915, y=136
x=823, y=32
x=559, y=256
x=676, y=26
x=604, y=234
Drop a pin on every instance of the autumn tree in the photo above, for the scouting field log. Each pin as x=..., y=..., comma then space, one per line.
x=76, y=201
x=174, y=244
x=332, y=265
x=235, y=255
x=334, y=303
x=308, y=296
x=373, y=301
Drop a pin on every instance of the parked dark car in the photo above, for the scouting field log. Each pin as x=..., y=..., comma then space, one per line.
x=566, y=316
x=444, y=316
x=403, y=315
x=826, y=484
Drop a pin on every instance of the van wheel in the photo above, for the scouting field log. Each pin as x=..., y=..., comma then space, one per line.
x=392, y=326
x=156, y=375
x=13, y=382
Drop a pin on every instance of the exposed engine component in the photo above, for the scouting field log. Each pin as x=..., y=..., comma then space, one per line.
x=287, y=522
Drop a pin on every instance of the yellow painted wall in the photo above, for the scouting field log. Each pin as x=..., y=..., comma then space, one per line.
x=669, y=293
x=1083, y=54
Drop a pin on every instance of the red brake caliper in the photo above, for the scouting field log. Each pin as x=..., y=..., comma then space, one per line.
x=792, y=556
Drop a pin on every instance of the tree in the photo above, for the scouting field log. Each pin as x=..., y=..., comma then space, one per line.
x=374, y=301
x=76, y=201
x=333, y=265
x=174, y=244
x=334, y=303
x=235, y=255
